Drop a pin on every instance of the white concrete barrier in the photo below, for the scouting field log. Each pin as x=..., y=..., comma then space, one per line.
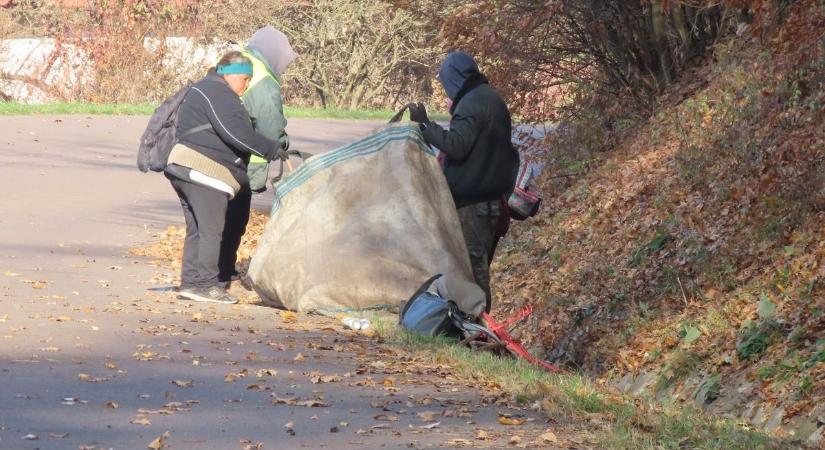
x=40, y=70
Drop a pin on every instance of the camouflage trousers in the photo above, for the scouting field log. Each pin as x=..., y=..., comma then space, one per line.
x=479, y=222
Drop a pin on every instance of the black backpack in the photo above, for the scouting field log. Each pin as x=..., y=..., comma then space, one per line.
x=159, y=138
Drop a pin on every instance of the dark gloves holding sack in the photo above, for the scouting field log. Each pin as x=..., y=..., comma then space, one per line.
x=281, y=155
x=418, y=113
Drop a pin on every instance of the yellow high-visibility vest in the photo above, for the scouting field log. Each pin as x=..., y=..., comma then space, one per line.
x=260, y=71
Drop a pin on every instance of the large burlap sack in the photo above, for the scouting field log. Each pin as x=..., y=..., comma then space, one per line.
x=361, y=227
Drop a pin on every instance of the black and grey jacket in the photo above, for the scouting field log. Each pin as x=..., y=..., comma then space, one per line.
x=481, y=163
x=230, y=139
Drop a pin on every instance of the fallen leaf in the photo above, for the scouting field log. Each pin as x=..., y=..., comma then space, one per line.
x=317, y=377
x=313, y=403
x=482, y=435
x=182, y=383
x=507, y=420
x=298, y=357
x=260, y=373
x=111, y=405
x=90, y=379
x=141, y=421
x=385, y=417
x=365, y=382
x=285, y=401
x=430, y=426
x=427, y=416
x=457, y=442
x=157, y=444
x=548, y=437
x=144, y=355
x=389, y=381
x=368, y=332
x=515, y=440
x=30, y=437
x=231, y=377
x=288, y=316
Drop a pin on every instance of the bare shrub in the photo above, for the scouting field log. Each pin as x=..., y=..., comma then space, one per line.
x=353, y=54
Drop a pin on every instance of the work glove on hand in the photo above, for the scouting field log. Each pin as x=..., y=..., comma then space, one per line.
x=418, y=113
x=281, y=155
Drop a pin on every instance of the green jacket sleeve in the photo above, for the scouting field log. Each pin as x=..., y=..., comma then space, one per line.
x=265, y=105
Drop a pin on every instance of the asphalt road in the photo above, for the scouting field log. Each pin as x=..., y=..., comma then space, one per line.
x=94, y=355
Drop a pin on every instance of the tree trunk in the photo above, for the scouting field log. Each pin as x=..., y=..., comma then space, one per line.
x=659, y=29
x=685, y=33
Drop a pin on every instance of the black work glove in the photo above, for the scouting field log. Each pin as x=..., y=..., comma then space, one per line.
x=418, y=113
x=282, y=155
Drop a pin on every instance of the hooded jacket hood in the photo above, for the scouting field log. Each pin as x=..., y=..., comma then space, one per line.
x=274, y=46
x=456, y=69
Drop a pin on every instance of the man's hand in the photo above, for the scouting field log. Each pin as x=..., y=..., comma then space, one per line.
x=418, y=113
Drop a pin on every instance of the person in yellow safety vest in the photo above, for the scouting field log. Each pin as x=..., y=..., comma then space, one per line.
x=271, y=54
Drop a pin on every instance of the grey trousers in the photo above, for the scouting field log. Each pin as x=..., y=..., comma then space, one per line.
x=478, y=224
x=204, y=209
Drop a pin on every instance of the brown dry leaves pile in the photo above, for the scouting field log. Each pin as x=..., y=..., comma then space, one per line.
x=167, y=246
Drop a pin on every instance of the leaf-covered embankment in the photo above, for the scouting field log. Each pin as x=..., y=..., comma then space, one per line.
x=687, y=260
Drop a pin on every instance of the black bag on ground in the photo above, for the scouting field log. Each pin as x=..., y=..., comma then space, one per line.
x=159, y=137
x=431, y=315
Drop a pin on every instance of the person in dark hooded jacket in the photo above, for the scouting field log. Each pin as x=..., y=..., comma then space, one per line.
x=481, y=164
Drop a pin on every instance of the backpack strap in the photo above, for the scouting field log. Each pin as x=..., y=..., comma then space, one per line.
x=196, y=129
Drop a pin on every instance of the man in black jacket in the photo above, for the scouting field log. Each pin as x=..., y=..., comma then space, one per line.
x=481, y=164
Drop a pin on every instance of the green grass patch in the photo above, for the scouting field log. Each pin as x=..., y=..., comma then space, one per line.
x=605, y=418
x=20, y=109
x=68, y=108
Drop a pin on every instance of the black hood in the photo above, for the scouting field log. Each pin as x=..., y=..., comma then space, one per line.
x=456, y=69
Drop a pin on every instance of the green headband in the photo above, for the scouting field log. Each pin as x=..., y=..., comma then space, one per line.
x=235, y=68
